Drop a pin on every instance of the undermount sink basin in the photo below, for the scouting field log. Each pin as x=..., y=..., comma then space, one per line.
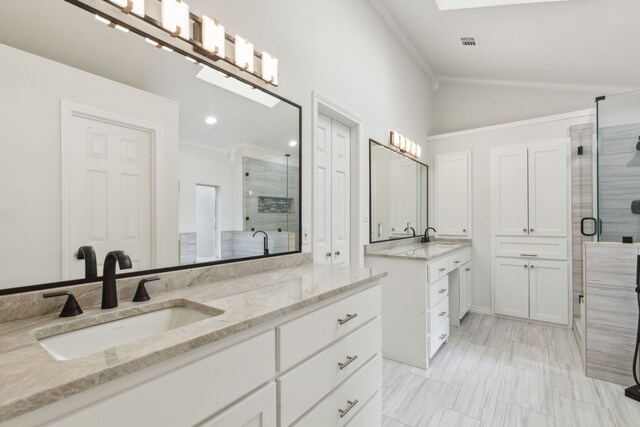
x=103, y=336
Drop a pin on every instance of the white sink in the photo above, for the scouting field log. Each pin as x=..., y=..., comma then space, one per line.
x=93, y=339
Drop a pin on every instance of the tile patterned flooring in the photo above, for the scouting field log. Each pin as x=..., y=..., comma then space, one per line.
x=496, y=372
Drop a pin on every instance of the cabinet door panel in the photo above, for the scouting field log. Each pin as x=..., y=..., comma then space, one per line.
x=453, y=194
x=256, y=410
x=511, y=287
x=548, y=189
x=548, y=291
x=465, y=289
x=509, y=191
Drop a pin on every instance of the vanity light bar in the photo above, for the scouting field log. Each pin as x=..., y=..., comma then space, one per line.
x=207, y=36
x=404, y=144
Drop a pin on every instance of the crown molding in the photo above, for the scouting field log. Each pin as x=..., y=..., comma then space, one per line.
x=413, y=51
x=570, y=87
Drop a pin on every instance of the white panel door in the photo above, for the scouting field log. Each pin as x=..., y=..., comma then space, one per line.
x=332, y=192
x=511, y=287
x=509, y=191
x=322, y=252
x=110, y=192
x=453, y=194
x=548, y=188
x=549, y=290
x=403, y=188
x=465, y=289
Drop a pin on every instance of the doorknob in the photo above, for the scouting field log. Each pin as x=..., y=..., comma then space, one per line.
x=337, y=253
x=328, y=254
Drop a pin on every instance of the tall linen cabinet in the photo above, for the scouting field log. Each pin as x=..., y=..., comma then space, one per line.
x=530, y=221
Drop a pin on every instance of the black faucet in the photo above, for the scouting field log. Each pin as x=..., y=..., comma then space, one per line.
x=88, y=254
x=266, y=241
x=412, y=229
x=425, y=238
x=109, y=292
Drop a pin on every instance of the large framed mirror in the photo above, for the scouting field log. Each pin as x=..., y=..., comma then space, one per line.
x=399, y=193
x=111, y=143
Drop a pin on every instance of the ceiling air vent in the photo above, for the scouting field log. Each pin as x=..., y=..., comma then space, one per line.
x=469, y=42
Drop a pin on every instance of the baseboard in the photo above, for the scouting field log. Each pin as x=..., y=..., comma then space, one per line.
x=480, y=310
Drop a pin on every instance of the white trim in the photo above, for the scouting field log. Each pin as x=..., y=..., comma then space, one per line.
x=70, y=109
x=520, y=123
x=571, y=87
x=480, y=310
x=413, y=51
x=322, y=105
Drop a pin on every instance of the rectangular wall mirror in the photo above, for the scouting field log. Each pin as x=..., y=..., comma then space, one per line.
x=110, y=142
x=398, y=201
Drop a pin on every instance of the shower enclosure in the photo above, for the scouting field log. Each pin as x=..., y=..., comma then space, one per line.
x=605, y=193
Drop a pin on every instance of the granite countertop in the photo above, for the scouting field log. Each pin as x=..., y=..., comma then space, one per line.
x=32, y=378
x=420, y=251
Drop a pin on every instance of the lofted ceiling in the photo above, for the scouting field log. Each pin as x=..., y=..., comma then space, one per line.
x=562, y=44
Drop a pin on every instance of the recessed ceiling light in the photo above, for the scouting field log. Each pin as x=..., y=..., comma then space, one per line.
x=293, y=143
x=211, y=120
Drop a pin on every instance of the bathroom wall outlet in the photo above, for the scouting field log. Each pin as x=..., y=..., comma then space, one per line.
x=306, y=235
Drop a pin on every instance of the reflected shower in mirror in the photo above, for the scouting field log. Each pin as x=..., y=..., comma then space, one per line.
x=398, y=185
x=113, y=144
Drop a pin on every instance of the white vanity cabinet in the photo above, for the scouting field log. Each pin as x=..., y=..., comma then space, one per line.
x=318, y=366
x=453, y=194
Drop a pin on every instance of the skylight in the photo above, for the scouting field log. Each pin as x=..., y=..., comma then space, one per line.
x=470, y=4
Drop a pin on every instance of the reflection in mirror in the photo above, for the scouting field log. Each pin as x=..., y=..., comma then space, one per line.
x=111, y=143
x=398, y=194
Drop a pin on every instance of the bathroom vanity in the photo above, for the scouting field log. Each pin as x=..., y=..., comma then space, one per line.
x=427, y=290
x=258, y=341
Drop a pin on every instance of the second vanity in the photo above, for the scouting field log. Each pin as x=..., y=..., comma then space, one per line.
x=258, y=342
x=427, y=290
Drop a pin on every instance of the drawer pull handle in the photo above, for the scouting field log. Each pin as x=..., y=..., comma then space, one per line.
x=351, y=403
x=467, y=269
x=442, y=269
x=442, y=313
x=531, y=255
x=346, y=319
x=349, y=360
x=443, y=336
x=443, y=290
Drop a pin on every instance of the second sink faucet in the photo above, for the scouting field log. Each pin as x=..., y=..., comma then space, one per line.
x=412, y=229
x=109, y=291
x=265, y=240
x=425, y=238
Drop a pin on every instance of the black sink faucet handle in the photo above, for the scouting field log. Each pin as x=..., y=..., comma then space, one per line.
x=141, y=291
x=71, y=307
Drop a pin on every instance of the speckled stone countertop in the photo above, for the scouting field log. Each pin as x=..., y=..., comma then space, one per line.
x=31, y=378
x=420, y=251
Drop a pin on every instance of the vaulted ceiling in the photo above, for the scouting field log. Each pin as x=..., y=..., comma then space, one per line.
x=591, y=43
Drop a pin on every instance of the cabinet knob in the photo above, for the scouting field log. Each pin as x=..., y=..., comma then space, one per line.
x=328, y=254
x=337, y=253
x=464, y=230
x=467, y=269
x=531, y=230
x=524, y=230
x=442, y=290
x=442, y=269
x=532, y=266
x=525, y=266
x=442, y=313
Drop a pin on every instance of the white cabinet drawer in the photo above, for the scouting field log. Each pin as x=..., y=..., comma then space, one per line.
x=322, y=373
x=437, y=291
x=344, y=402
x=370, y=415
x=438, y=337
x=459, y=259
x=256, y=410
x=438, y=314
x=531, y=247
x=202, y=388
x=437, y=270
x=302, y=337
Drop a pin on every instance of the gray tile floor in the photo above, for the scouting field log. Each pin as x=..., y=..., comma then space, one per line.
x=498, y=372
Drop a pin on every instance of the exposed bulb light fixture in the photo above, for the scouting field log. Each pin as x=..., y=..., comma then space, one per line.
x=404, y=144
x=269, y=68
x=244, y=54
x=129, y=6
x=293, y=143
x=175, y=18
x=213, y=37
x=211, y=120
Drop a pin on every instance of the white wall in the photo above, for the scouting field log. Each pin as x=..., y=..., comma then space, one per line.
x=479, y=142
x=459, y=106
x=345, y=52
x=30, y=175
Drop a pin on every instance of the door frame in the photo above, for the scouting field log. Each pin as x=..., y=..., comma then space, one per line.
x=68, y=110
x=323, y=105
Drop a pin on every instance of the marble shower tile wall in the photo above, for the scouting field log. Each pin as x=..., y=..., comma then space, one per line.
x=581, y=200
x=611, y=310
x=239, y=244
x=30, y=304
x=619, y=181
x=187, y=248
